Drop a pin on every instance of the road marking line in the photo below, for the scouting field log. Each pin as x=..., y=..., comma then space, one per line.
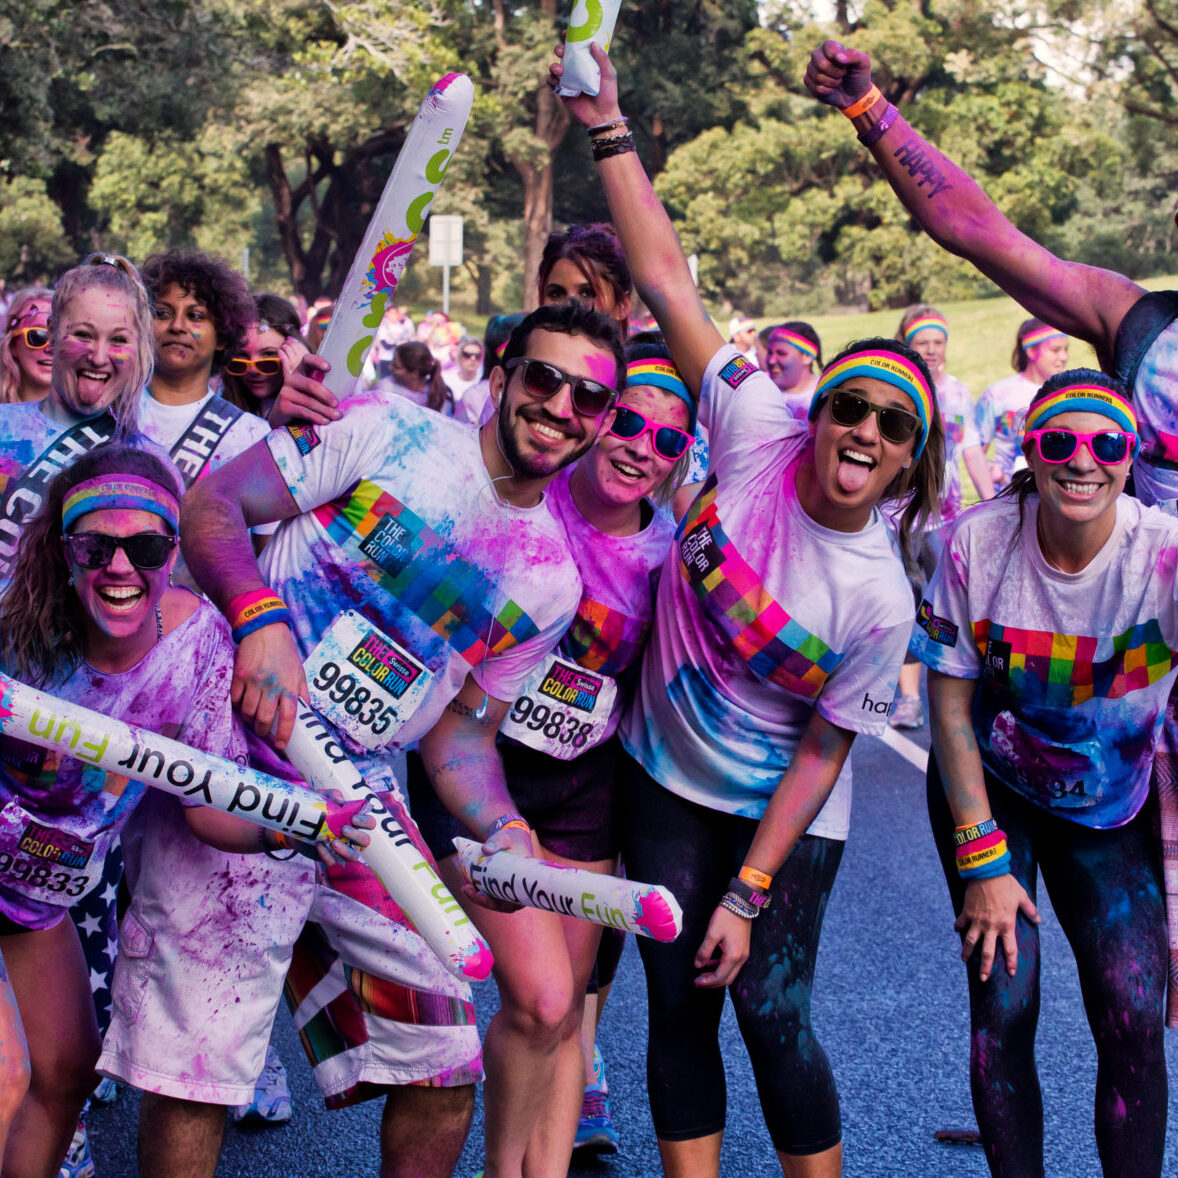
x=908, y=749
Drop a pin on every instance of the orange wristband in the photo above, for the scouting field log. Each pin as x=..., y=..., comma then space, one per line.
x=758, y=879
x=864, y=104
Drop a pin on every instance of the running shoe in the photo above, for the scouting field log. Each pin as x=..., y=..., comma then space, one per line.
x=271, y=1102
x=106, y=1092
x=78, y=1161
x=908, y=712
x=596, y=1132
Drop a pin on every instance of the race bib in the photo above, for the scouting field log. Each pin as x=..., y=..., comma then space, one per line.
x=363, y=681
x=562, y=710
x=48, y=864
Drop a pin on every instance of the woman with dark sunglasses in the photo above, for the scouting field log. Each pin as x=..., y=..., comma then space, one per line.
x=782, y=617
x=1051, y=635
x=26, y=362
x=92, y=618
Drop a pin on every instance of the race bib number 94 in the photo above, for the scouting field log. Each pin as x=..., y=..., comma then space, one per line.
x=562, y=710
x=363, y=681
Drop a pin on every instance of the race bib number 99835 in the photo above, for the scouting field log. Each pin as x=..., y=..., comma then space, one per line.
x=562, y=710
x=363, y=681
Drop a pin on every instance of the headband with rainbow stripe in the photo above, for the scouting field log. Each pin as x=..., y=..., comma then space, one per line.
x=121, y=490
x=1040, y=336
x=1084, y=398
x=926, y=323
x=663, y=375
x=879, y=365
x=806, y=346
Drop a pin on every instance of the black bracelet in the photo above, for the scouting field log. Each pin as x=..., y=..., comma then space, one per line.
x=617, y=145
x=753, y=897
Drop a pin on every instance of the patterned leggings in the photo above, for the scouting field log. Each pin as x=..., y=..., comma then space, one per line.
x=1106, y=889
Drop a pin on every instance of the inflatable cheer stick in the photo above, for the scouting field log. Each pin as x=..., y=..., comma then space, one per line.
x=407, y=875
x=426, y=153
x=646, y=909
x=33, y=716
x=592, y=22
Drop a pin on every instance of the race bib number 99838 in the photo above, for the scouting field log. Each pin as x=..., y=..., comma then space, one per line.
x=562, y=710
x=363, y=681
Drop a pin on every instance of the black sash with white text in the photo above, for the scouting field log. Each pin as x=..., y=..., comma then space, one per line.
x=23, y=497
x=205, y=433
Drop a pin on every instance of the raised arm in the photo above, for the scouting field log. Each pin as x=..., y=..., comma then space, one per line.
x=215, y=519
x=653, y=253
x=953, y=210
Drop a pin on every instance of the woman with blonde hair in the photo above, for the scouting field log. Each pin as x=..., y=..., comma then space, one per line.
x=101, y=339
x=26, y=363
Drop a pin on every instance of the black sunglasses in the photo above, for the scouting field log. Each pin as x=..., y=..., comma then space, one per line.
x=95, y=550
x=896, y=425
x=591, y=398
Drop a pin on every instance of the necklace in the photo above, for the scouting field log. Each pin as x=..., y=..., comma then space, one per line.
x=159, y=625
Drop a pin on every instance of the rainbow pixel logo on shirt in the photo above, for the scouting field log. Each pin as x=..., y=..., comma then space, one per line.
x=774, y=645
x=1061, y=670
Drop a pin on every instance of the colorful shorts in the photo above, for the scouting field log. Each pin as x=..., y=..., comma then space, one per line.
x=206, y=946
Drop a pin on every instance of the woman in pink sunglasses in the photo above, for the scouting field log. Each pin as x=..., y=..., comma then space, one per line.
x=1050, y=630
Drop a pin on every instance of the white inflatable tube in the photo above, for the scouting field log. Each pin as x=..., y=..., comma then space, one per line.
x=41, y=719
x=425, y=155
x=649, y=910
x=591, y=22
x=408, y=876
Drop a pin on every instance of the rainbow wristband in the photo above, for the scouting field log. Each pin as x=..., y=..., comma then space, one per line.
x=251, y=611
x=984, y=857
x=967, y=834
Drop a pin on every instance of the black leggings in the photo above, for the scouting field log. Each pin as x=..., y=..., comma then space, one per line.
x=695, y=852
x=1106, y=889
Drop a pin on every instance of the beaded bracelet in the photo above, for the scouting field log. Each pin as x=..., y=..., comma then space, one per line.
x=753, y=897
x=604, y=148
x=873, y=135
x=251, y=611
x=738, y=907
x=758, y=879
x=864, y=104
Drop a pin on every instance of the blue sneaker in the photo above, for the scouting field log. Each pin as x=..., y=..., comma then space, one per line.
x=78, y=1161
x=271, y=1102
x=596, y=1132
x=106, y=1092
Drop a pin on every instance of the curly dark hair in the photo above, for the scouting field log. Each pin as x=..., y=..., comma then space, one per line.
x=215, y=283
x=569, y=318
x=42, y=624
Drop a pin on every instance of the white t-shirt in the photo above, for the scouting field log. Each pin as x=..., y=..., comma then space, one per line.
x=403, y=527
x=59, y=815
x=1157, y=418
x=763, y=616
x=165, y=425
x=957, y=412
x=1074, y=668
x=608, y=635
x=999, y=414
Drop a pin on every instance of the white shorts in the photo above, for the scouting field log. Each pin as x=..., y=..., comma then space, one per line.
x=204, y=950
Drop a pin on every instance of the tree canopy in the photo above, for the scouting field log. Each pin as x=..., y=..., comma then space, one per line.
x=235, y=123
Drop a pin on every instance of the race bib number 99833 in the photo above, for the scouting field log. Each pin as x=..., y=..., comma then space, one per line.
x=562, y=710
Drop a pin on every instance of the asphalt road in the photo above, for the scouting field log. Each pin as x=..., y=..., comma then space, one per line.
x=890, y=1008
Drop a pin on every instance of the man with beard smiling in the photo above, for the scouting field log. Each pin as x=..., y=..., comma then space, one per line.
x=430, y=540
